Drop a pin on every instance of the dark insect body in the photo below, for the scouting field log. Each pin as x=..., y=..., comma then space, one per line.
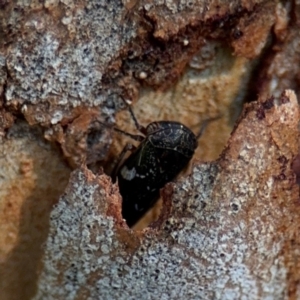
x=165, y=150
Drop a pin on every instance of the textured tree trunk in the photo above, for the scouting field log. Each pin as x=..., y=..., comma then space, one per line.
x=227, y=229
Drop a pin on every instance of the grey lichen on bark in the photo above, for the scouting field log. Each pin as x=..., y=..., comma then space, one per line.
x=64, y=66
x=219, y=235
x=64, y=59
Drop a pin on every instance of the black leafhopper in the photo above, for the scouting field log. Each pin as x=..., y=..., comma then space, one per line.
x=165, y=149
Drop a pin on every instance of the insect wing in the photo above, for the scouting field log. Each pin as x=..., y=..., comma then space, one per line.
x=143, y=174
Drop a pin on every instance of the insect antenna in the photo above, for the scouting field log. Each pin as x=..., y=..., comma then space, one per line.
x=204, y=125
x=128, y=146
x=138, y=126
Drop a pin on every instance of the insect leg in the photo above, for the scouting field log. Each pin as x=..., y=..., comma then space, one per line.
x=127, y=147
x=135, y=137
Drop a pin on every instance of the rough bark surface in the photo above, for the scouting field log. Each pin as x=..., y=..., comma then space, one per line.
x=61, y=59
x=64, y=66
x=32, y=177
x=227, y=231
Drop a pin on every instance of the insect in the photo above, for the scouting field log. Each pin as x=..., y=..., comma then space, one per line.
x=165, y=149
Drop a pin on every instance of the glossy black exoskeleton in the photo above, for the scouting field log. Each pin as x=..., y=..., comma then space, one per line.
x=165, y=149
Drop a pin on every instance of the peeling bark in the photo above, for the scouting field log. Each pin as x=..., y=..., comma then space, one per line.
x=228, y=231
x=62, y=58
x=64, y=66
